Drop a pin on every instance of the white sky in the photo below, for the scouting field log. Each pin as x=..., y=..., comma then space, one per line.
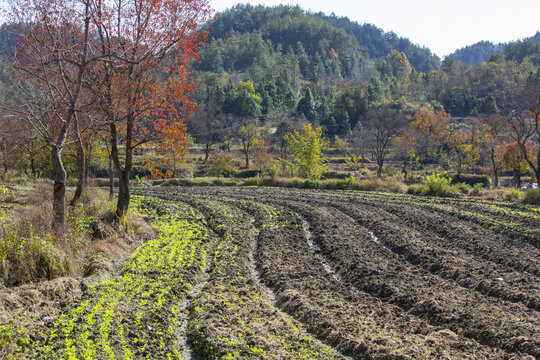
x=441, y=25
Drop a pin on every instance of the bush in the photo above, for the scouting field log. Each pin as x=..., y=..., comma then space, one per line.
x=389, y=184
x=532, y=196
x=415, y=189
x=252, y=181
x=476, y=190
x=223, y=182
x=464, y=188
x=333, y=184
x=33, y=258
x=472, y=180
x=294, y=182
x=331, y=174
x=438, y=185
x=244, y=174
x=177, y=182
x=220, y=164
x=337, y=160
x=513, y=195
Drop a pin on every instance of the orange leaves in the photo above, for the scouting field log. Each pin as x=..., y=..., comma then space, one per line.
x=513, y=158
x=433, y=122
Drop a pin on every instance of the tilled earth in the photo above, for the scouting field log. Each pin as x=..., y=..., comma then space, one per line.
x=294, y=274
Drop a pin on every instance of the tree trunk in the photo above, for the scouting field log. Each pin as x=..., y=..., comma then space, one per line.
x=122, y=206
x=59, y=193
x=87, y=162
x=207, y=151
x=495, y=169
x=32, y=166
x=380, y=163
x=517, y=178
x=111, y=178
x=174, y=164
x=404, y=168
x=537, y=170
x=80, y=164
x=247, y=160
x=4, y=157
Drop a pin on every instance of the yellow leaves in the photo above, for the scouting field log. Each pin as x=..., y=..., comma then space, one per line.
x=307, y=150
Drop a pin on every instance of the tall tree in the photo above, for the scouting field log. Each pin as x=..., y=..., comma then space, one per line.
x=383, y=124
x=249, y=136
x=306, y=149
x=306, y=106
x=524, y=122
x=430, y=130
x=513, y=159
x=493, y=127
x=136, y=38
x=53, y=56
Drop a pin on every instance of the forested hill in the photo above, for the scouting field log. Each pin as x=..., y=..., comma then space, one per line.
x=480, y=52
x=379, y=43
x=286, y=27
x=277, y=64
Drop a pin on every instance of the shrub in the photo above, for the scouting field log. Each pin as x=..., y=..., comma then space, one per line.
x=220, y=164
x=32, y=258
x=354, y=162
x=244, y=174
x=310, y=184
x=222, y=182
x=333, y=184
x=177, y=182
x=331, y=174
x=6, y=194
x=438, y=185
x=294, y=182
x=415, y=189
x=252, y=181
x=472, y=180
x=532, y=196
x=476, y=189
x=464, y=188
x=337, y=160
x=513, y=195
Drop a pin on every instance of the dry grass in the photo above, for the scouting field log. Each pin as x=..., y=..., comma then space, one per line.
x=28, y=253
x=29, y=295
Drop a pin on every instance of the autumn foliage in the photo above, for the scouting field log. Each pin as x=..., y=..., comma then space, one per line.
x=122, y=68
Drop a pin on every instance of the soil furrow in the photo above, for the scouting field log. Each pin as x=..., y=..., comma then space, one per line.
x=409, y=271
x=438, y=301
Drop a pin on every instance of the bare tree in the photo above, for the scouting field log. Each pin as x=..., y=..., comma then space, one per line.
x=208, y=126
x=382, y=125
x=524, y=122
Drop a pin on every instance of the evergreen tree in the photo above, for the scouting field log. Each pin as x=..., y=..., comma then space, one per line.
x=306, y=106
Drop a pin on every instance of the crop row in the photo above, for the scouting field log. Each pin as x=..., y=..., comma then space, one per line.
x=136, y=314
x=234, y=317
x=400, y=257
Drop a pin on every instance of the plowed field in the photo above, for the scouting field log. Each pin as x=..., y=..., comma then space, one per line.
x=292, y=274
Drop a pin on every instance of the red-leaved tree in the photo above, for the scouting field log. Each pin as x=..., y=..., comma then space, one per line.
x=52, y=57
x=146, y=47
